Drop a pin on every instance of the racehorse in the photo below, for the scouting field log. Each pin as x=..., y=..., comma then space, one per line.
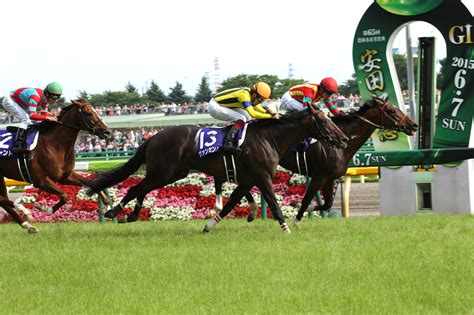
x=325, y=164
x=171, y=153
x=53, y=158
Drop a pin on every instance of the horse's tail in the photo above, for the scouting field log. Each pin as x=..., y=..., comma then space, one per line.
x=121, y=173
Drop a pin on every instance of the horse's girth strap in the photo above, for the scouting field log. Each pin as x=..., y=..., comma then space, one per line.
x=23, y=167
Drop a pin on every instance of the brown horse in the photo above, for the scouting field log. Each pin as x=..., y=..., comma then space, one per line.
x=53, y=159
x=325, y=164
x=171, y=153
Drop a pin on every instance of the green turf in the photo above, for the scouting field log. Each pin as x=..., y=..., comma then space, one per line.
x=383, y=265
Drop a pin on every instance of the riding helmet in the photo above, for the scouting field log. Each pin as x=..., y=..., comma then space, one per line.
x=329, y=84
x=54, y=88
x=262, y=89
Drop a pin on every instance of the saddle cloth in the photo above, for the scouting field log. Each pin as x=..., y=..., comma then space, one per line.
x=7, y=139
x=210, y=139
x=304, y=146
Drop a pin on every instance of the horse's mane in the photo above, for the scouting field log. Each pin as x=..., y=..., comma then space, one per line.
x=286, y=118
x=47, y=125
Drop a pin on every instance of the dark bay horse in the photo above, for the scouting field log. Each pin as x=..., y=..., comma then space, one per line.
x=53, y=159
x=325, y=164
x=171, y=153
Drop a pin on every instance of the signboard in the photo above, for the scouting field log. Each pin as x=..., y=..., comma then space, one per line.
x=376, y=74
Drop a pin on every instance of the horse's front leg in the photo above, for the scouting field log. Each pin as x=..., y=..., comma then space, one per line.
x=313, y=187
x=48, y=185
x=79, y=180
x=266, y=188
x=329, y=192
x=135, y=215
x=234, y=198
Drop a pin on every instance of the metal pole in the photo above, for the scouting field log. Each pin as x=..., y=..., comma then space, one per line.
x=410, y=75
x=264, y=209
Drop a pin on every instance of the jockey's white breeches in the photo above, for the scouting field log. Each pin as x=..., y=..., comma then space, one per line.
x=17, y=111
x=227, y=114
x=289, y=104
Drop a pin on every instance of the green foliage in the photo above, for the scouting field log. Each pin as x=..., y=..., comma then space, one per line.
x=204, y=93
x=130, y=88
x=109, y=98
x=439, y=76
x=247, y=80
x=349, y=86
x=382, y=265
x=282, y=86
x=178, y=95
x=155, y=94
x=84, y=95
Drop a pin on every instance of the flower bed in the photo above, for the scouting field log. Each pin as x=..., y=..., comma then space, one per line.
x=186, y=199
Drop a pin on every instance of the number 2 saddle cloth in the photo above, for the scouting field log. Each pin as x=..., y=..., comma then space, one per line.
x=7, y=140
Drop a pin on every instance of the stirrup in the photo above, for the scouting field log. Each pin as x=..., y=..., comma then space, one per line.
x=231, y=149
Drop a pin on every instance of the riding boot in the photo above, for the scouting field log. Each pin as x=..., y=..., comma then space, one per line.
x=19, y=145
x=229, y=145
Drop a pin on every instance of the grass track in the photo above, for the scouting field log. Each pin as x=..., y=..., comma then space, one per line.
x=418, y=264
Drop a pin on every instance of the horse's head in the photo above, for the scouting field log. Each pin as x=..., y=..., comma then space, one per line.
x=326, y=130
x=391, y=117
x=84, y=117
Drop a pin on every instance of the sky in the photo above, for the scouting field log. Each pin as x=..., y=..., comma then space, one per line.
x=101, y=45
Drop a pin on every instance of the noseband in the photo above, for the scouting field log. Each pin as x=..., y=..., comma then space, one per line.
x=398, y=126
x=325, y=135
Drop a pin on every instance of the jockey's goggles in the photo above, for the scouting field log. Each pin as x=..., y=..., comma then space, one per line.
x=54, y=96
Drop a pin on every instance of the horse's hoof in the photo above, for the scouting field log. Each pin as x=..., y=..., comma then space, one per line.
x=102, y=210
x=110, y=214
x=123, y=219
x=210, y=214
x=205, y=230
x=132, y=218
x=33, y=229
x=287, y=231
x=250, y=218
x=296, y=223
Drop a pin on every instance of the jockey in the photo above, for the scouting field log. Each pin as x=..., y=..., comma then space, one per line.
x=240, y=105
x=24, y=103
x=300, y=96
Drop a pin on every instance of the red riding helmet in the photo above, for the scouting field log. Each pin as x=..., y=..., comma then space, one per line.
x=329, y=84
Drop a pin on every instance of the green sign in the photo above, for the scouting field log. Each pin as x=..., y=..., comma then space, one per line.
x=375, y=70
x=411, y=157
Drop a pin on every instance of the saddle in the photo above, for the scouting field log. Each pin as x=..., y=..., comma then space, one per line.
x=7, y=138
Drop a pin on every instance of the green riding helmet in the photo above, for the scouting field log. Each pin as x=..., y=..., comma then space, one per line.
x=54, y=88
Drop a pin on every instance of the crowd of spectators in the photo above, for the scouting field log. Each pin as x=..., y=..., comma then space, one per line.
x=120, y=140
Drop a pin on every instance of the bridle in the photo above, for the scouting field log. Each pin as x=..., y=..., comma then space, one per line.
x=89, y=127
x=325, y=135
x=397, y=124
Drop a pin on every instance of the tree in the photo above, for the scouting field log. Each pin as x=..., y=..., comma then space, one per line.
x=204, y=92
x=247, y=80
x=350, y=86
x=130, y=88
x=84, y=95
x=178, y=95
x=155, y=94
x=282, y=86
x=109, y=98
x=439, y=75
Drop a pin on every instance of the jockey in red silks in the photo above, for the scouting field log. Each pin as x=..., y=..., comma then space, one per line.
x=24, y=103
x=240, y=105
x=299, y=97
